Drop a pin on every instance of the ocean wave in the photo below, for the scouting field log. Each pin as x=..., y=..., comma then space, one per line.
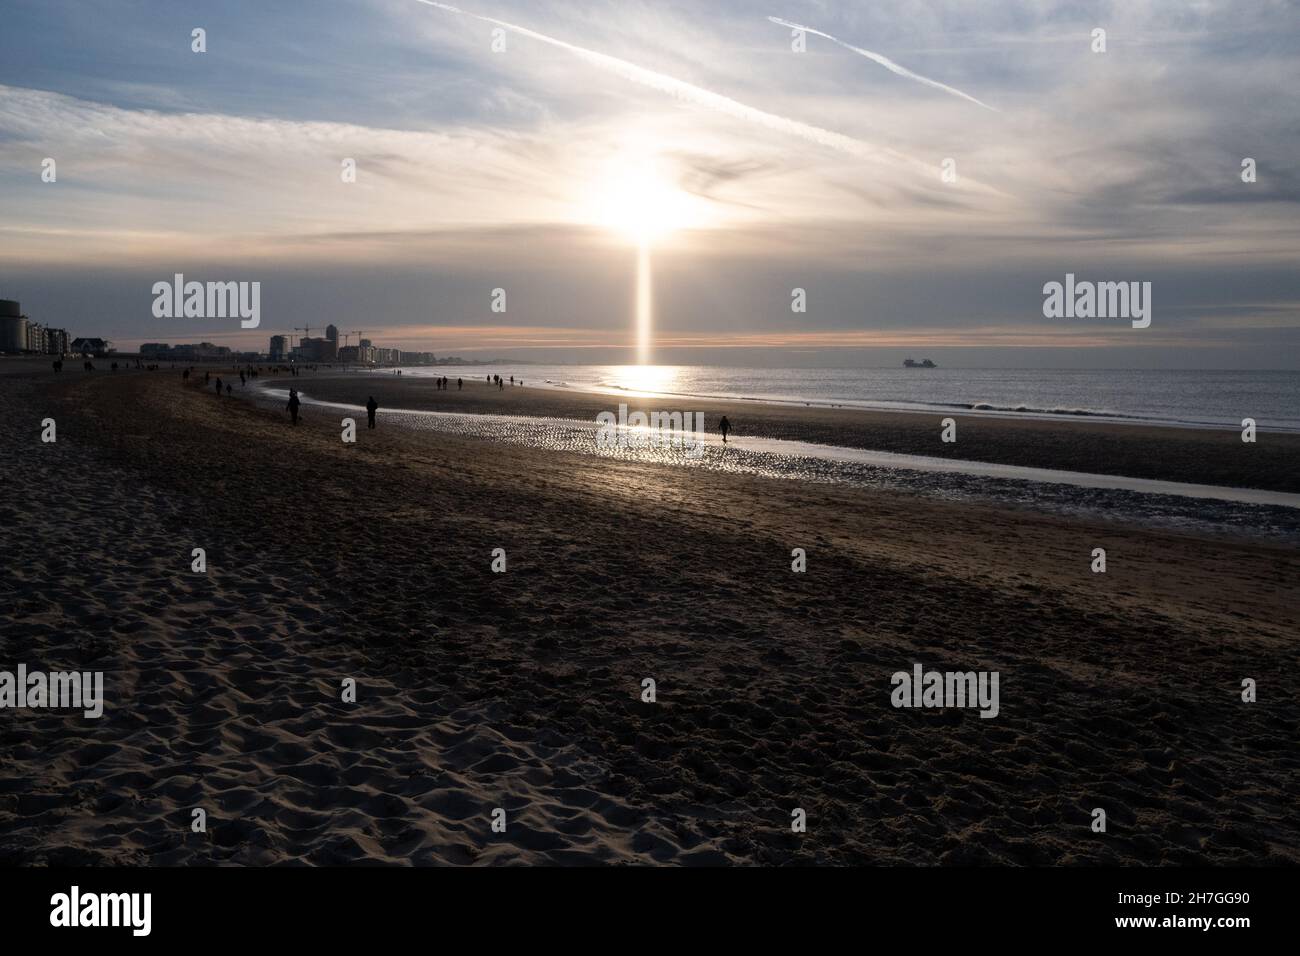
x=1033, y=410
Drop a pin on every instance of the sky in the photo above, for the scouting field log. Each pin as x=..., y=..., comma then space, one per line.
x=747, y=168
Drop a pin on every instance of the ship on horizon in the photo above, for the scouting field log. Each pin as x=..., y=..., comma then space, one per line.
x=924, y=363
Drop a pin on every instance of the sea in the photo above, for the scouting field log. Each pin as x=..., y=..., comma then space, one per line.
x=1210, y=399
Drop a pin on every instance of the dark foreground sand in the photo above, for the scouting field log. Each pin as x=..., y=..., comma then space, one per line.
x=521, y=690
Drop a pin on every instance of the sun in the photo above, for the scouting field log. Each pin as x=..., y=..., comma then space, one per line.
x=639, y=203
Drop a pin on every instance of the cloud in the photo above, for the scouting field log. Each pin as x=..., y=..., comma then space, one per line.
x=690, y=93
x=886, y=62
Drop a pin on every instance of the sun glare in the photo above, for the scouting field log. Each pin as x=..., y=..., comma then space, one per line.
x=643, y=379
x=640, y=204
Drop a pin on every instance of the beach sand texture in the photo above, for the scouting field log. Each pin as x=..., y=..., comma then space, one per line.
x=522, y=690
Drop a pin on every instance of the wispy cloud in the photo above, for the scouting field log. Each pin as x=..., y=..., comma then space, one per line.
x=690, y=93
x=884, y=61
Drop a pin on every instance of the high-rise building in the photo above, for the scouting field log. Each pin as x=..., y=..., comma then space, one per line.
x=13, y=327
x=35, y=337
x=57, y=342
x=318, y=350
x=279, y=348
x=332, y=333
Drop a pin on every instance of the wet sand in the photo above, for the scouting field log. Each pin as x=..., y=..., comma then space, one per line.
x=522, y=690
x=1196, y=456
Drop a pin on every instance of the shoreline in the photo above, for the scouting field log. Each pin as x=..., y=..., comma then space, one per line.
x=1197, y=456
x=404, y=417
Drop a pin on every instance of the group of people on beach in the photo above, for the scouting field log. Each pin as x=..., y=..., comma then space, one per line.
x=295, y=403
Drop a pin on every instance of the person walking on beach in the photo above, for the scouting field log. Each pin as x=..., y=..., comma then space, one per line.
x=724, y=426
x=230, y=390
x=218, y=386
x=460, y=383
x=371, y=407
x=293, y=405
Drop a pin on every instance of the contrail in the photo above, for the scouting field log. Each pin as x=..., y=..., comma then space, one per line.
x=701, y=97
x=887, y=63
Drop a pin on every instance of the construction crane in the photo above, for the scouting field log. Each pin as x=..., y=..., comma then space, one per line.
x=306, y=332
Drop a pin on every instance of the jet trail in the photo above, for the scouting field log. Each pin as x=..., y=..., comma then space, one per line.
x=887, y=63
x=690, y=93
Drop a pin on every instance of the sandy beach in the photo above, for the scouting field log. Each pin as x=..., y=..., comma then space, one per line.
x=522, y=690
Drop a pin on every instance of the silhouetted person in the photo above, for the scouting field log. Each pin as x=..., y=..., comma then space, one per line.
x=230, y=390
x=218, y=383
x=460, y=383
x=293, y=405
x=724, y=426
x=371, y=407
x=185, y=376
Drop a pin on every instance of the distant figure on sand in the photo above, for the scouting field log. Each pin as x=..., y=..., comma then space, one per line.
x=724, y=426
x=460, y=383
x=230, y=389
x=371, y=407
x=218, y=386
x=293, y=405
